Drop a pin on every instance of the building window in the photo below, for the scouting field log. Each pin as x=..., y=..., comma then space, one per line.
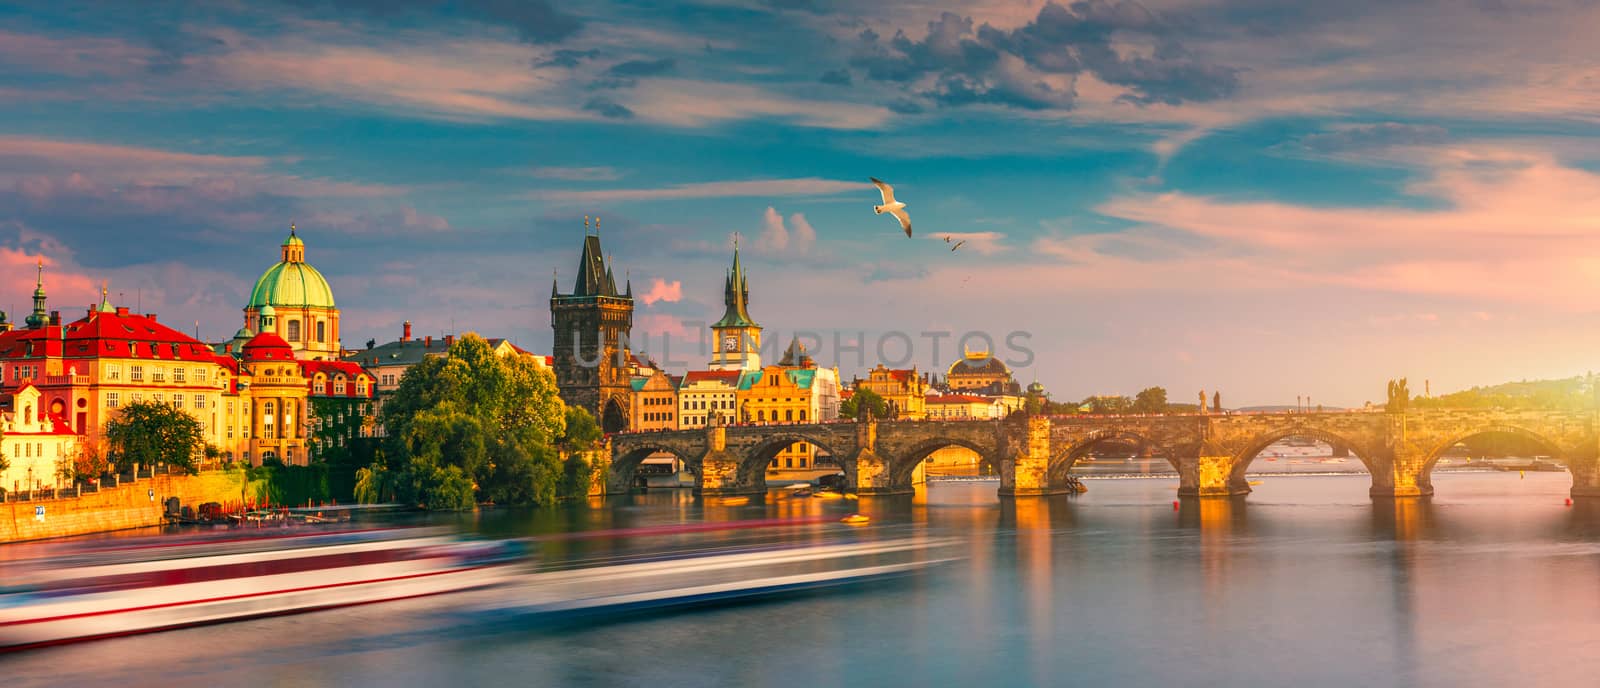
x=177, y=400
x=318, y=387
x=199, y=401
x=158, y=398
x=179, y=375
x=294, y=330
x=322, y=331
x=199, y=374
x=361, y=387
x=113, y=373
x=802, y=414
x=135, y=398
x=158, y=374
x=112, y=400
x=136, y=373
x=338, y=387
x=788, y=414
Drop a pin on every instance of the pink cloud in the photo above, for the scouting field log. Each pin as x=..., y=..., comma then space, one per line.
x=793, y=237
x=662, y=290
x=803, y=186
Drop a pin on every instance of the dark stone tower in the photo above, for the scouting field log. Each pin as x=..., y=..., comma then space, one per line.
x=592, y=326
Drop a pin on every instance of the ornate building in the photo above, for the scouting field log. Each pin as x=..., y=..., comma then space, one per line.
x=302, y=302
x=592, y=326
x=903, y=389
x=979, y=372
x=40, y=446
x=737, y=338
x=708, y=396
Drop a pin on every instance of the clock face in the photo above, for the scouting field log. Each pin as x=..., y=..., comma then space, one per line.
x=730, y=343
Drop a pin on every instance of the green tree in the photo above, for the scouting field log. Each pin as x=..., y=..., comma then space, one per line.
x=851, y=408
x=582, y=432
x=1150, y=400
x=150, y=433
x=472, y=425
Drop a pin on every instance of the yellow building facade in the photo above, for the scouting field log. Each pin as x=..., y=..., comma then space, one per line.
x=903, y=389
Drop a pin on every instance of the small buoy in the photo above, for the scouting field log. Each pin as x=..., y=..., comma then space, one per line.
x=1174, y=505
x=1569, y=501
x=854, y=519
x=1522, y=475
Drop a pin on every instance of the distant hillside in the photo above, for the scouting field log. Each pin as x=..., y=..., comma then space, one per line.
x=1572, y=393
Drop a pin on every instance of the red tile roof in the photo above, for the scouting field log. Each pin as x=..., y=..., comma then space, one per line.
x=119, y=334
x=331, y=368
x=728, y=377
x=957, y=399
x=267, y=346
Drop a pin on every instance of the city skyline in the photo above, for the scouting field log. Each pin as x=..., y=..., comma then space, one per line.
x=1192, y=195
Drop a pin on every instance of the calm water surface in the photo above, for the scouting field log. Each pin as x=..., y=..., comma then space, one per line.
x=1494, y=581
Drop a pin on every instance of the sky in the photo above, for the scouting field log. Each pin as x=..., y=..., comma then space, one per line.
x=1266, y=199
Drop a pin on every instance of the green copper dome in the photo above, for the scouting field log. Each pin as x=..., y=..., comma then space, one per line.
x=292, y=282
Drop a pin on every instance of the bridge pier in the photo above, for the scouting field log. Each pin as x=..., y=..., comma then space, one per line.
x=722, y=472
x=1210, y=476
x=1026, y=472
x=874, y=477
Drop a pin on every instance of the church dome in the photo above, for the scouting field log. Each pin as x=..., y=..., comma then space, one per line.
x=979, y=363
x=267, y=347
x=292, y=282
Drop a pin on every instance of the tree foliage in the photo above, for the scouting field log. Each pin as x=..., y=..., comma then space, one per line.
x=473, y=426
x=874, y=403
x=1150, y=400
x=150, y=433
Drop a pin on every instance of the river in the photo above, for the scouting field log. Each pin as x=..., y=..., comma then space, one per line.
x=1307, y=581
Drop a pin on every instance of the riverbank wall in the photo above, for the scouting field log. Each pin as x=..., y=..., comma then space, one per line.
x=135, y=504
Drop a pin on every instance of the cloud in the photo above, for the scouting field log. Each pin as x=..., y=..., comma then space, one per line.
x=642, y=68
x=685, y=103
x=777, y=238
x=982, y=243
x=804, y=186
x=535, y=21
x=608, y=108
x=836, y=77
x=1035, y=66
x=1369, y=136
x=576, y=174
x=1509, y=226
x=664, y=291
x=566, y=57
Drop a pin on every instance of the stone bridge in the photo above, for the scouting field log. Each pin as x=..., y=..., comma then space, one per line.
x=1033, y=453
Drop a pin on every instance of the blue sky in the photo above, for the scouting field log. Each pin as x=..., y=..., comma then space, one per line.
x=1270, y=199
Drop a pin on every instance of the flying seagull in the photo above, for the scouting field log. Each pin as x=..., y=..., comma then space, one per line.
x=891, y=206
x=958, y=244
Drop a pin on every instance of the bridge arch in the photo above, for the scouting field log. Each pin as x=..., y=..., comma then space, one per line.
x=753, y=466
x=625, y=463
x=904, y=465
x=1062, y=461
x=1551, y=447
x=1259, y=443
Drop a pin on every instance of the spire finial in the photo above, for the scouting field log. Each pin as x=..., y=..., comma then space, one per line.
x=291, y=229
x=39, y=279
x=586, y=225
x=735, y=241
x=597, y=225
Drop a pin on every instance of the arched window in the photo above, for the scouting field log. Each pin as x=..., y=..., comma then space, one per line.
x=802, y=414
x=788, y=414
x=294, y=330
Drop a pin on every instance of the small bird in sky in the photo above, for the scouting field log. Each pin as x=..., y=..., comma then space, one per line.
x=891, y=206
x=958, y=244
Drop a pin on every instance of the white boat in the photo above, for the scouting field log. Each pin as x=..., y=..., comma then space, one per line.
x=150, y=586
x=719, y=578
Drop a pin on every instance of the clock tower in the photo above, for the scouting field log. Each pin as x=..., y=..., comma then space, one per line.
x=737, y=338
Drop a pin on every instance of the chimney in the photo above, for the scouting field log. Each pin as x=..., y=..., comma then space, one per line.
x=227, y=348
x=55, y=317
x=449, y=340
x=122, y=310
x=427, y=342
x=151, y=316
x=405, y=332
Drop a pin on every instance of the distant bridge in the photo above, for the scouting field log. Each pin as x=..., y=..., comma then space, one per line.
x=1034, y=452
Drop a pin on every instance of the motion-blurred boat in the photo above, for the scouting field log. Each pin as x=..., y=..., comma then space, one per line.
x=153, y=584
x=709, y=579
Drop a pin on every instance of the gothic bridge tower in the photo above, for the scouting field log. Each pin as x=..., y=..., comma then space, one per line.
x=592, y=326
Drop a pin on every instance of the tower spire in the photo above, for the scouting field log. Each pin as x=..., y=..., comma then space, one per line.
x=40, y=317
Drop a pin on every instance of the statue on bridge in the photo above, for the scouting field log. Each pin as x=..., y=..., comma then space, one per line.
x=1399, y=396
x=1202, y=401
